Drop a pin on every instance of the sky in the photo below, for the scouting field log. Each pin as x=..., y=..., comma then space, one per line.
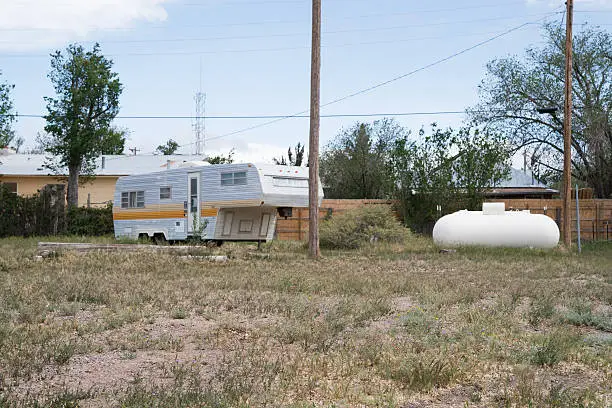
x=252, y=58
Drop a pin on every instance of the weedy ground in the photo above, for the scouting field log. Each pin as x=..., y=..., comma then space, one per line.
x=387, y=326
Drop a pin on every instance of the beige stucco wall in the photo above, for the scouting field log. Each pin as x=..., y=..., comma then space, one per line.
x=100, y=188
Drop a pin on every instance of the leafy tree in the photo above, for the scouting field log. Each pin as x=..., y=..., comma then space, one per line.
x=221, y=159
x=114, y=142
x=293, y=160
x=167, y=149
x=444, y=171
x=515, y=87
x=79, y=117
x=354, y=164
x=7, y=116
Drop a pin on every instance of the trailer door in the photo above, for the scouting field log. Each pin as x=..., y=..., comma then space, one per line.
x=193, y=219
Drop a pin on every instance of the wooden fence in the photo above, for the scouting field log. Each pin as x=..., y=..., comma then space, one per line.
x=595, y=215
x=295, y=228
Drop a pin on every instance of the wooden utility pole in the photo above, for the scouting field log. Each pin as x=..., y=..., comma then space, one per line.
x=567, y=129
x=313, y=150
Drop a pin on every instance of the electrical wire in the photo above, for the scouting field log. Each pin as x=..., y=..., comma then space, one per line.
x=384, y=83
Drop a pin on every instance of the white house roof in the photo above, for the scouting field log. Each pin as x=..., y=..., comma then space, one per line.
x=120, y=165
x=519, y=178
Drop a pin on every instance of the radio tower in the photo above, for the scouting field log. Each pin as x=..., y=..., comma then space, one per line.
x=199, y=124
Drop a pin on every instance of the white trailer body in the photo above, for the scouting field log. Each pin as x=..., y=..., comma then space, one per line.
x=227, y=202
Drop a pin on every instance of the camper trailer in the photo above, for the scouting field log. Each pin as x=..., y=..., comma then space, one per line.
x=226, y=202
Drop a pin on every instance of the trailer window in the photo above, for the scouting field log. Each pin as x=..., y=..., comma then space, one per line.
x=238, y=178
x=132, y=199
x=290, y=182
x=165, y=193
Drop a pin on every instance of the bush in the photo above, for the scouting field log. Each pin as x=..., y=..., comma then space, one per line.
x=90, y=221
x=356, y=228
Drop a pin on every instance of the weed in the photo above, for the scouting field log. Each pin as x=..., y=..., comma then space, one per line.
x=581, y=314
x=356, y=228
x=179, y=313
x=554, y=348
x=541, y=308
x=421, y=373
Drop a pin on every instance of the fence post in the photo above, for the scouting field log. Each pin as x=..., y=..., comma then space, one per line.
x=578, y=220
x=88, y=200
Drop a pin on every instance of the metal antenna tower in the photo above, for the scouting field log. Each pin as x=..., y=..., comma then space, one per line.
x=199, y=124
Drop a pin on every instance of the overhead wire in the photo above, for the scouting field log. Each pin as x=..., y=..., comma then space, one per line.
x=384, y=83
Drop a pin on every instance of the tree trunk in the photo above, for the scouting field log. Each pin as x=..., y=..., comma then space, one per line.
x=72, y=196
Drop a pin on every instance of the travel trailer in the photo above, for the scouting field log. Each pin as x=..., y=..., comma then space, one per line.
x=226, y=202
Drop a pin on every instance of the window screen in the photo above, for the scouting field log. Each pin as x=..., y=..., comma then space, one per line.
x=132, y=199
x=238, y=178
x=165, y=193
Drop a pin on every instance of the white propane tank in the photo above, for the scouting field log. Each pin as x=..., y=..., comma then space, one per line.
x=495, y=227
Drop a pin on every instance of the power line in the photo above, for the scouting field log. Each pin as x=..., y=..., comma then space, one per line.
x=279, y=49
x=371, y=88
x=251, y=117
x=282, y=35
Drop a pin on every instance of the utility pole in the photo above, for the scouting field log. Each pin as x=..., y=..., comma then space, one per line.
x=134, y=150
x=313, y=158
x=567, y=129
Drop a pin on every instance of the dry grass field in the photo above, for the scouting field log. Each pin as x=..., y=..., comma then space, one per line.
x=384, y=326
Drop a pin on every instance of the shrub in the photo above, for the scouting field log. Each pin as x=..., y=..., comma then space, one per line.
x=356, y=228
x=90, y=221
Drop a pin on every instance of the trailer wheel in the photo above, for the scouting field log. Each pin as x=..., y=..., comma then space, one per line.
x=159, y=239
x=213, y=243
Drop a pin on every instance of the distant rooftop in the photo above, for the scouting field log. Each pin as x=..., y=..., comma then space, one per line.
x=107, y=165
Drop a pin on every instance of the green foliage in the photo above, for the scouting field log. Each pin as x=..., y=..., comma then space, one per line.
x=79, y=117
x=39, y=214
x=354, y=164
x=221, y=159
x=419, y=372
x=581, y=314
x=7, y=135
x=356, y=228
x=167, y=149
x=445, y=171
x=114, y=142
x=90, y=221
x=44, y=214
x=554, y=348
x=293, y=160
x=515, y=87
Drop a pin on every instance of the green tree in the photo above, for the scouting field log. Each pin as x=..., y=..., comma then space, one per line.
x=221, y=159
x=114, y=142
x=79, y=117
x=354, y=164
x=444, y=171
x=167, y=149
x=515, y=87
x=294, y=159
x=7, y=115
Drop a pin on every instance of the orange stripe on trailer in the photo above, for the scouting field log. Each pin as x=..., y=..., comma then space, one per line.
x=209, y=212
x=147, y=215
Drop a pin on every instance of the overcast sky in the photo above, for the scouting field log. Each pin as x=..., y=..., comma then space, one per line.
x=252, y=58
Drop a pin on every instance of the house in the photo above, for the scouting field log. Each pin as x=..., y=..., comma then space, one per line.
x=521, y=184
x=25, y=174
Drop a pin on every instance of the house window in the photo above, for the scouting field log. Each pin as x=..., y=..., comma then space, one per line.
x=11, y=187
x=165, y=193
x=132, y=199
x=238, y=178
